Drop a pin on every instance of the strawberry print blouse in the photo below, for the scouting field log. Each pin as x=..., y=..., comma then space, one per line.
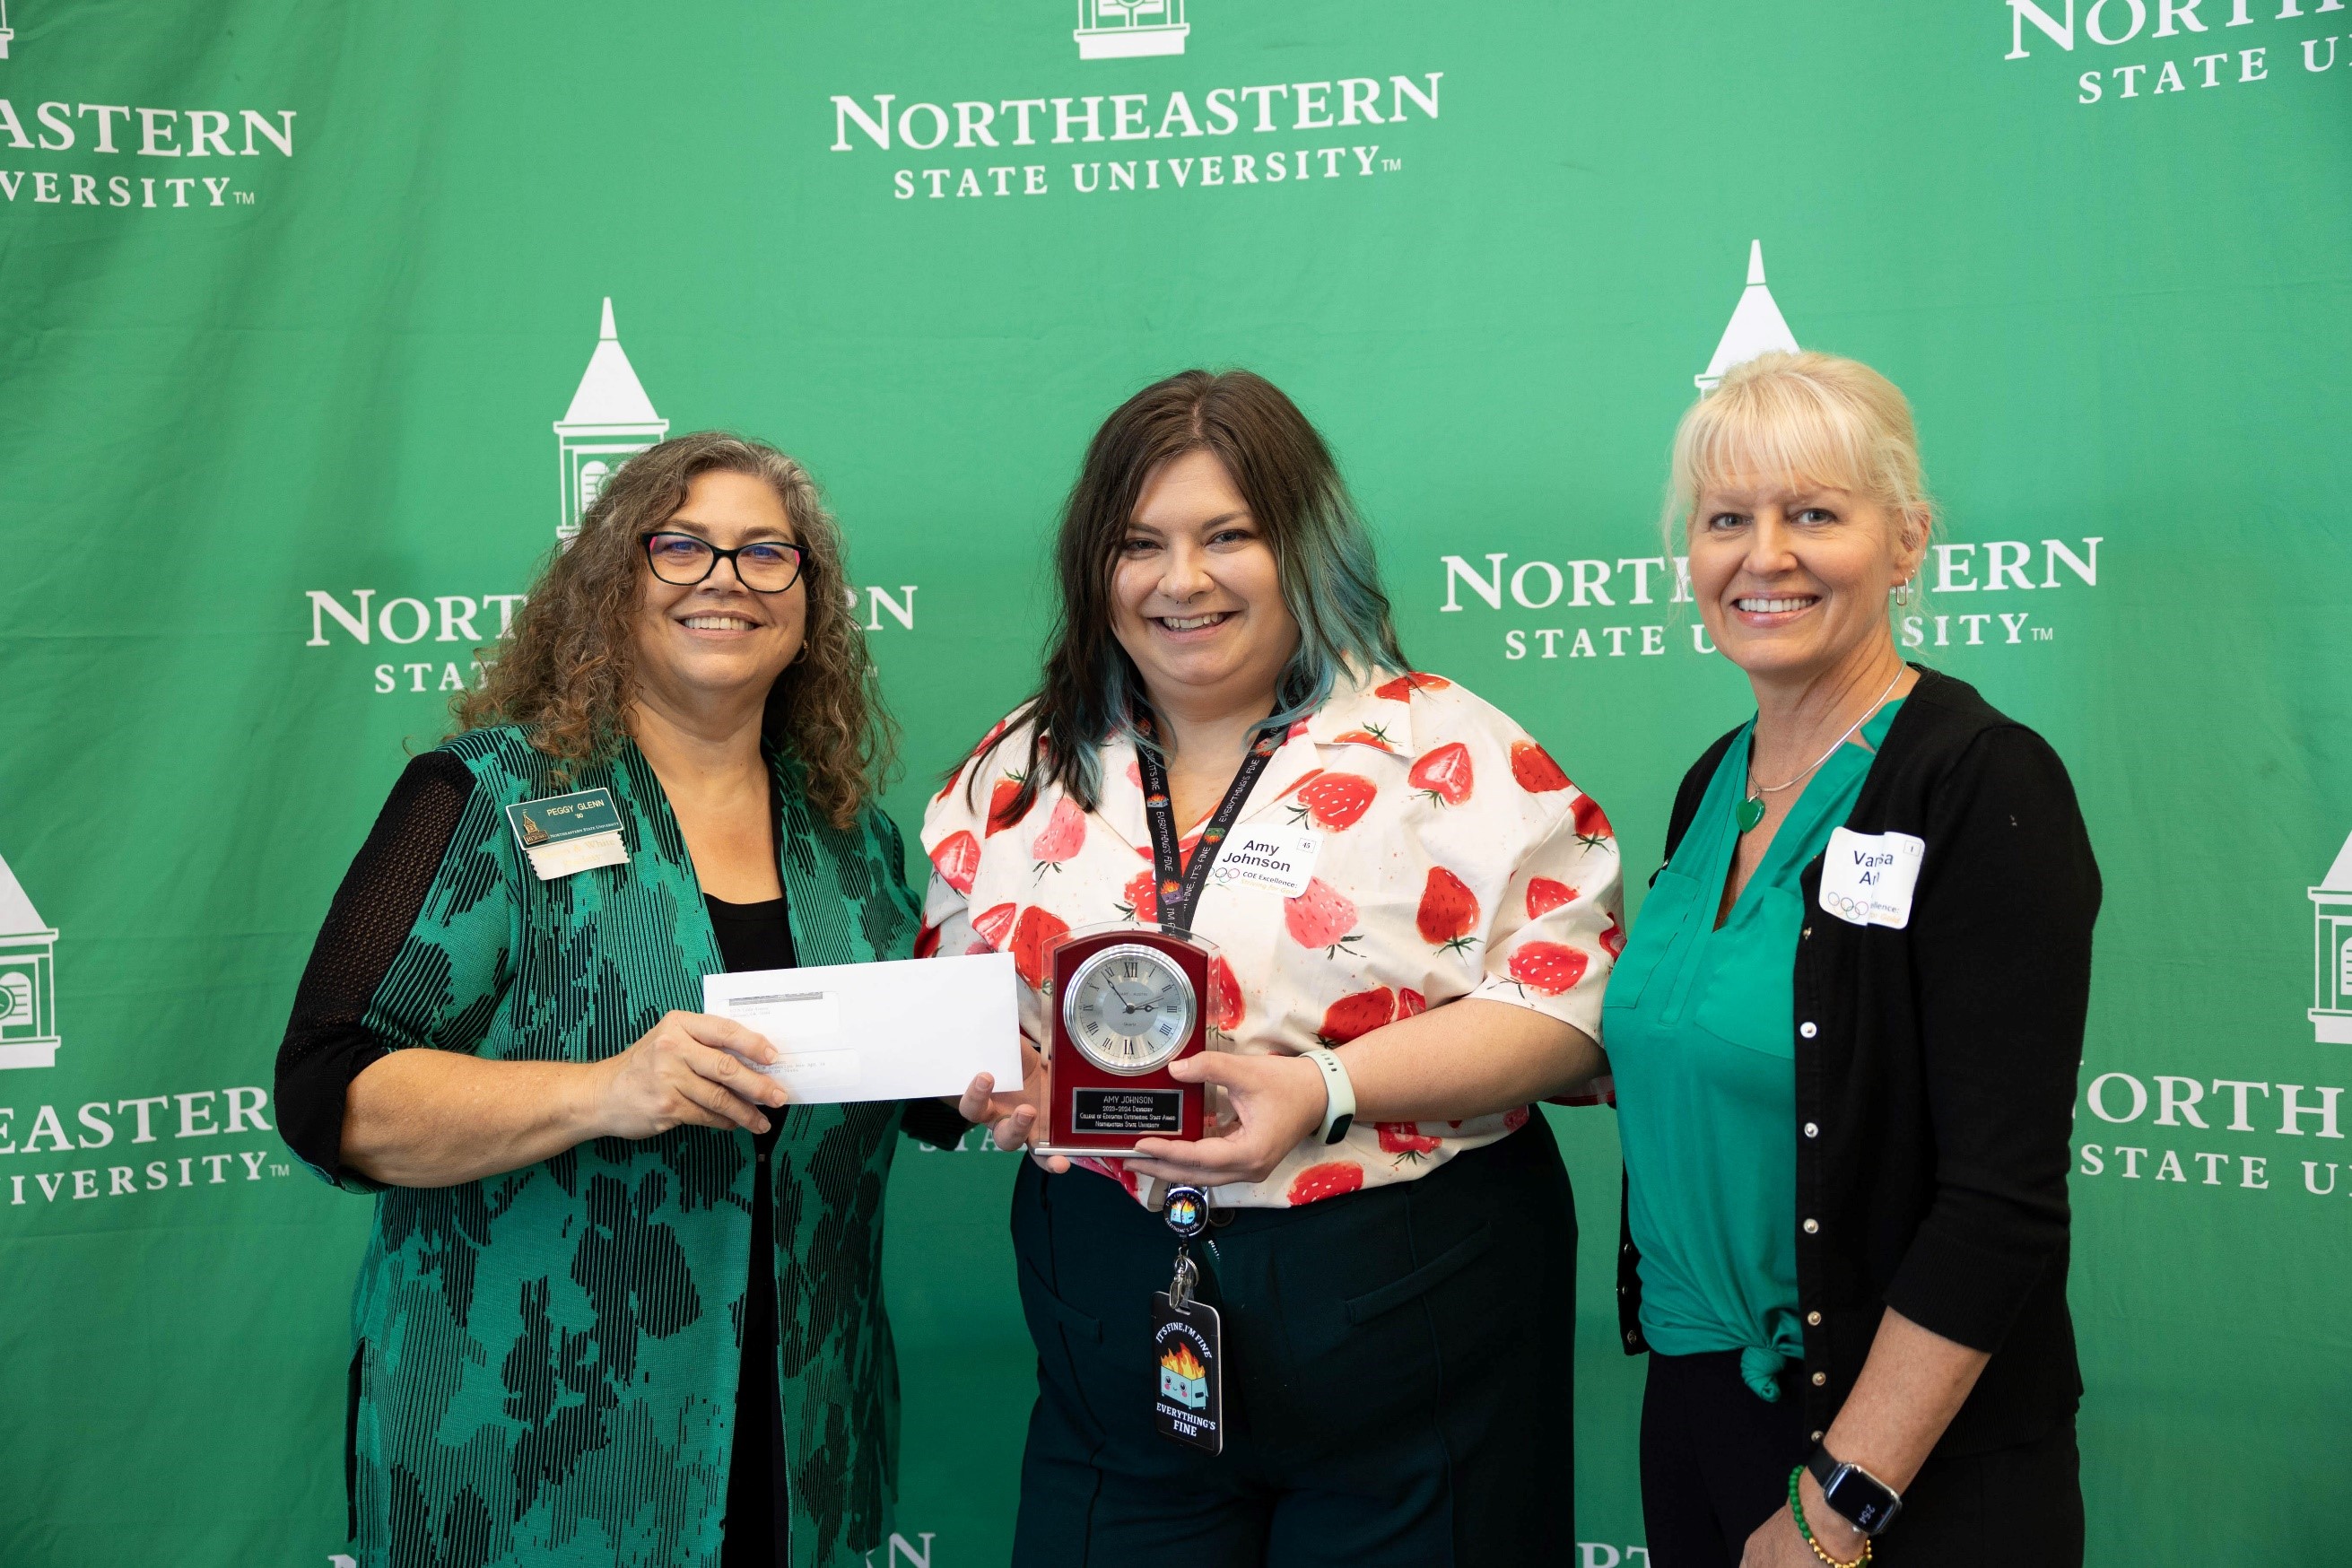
x=1457, y=860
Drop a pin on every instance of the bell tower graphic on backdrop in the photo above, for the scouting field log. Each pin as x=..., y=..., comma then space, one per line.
x=1756, y=326
x=1127, y=29
x=7, y=33
x=610, y=419
x=2331, y=915
x=28, y=991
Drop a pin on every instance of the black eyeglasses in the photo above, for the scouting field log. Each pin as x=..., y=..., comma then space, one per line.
x=764, y=565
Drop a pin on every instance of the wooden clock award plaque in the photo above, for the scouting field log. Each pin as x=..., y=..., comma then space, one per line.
x=1127, y=1002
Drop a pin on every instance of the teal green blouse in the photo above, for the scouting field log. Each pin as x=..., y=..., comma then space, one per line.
x=1700, y=1028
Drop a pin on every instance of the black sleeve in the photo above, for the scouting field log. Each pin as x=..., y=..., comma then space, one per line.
x=326, y=1045
x=934, y=1122
x=2001, y=952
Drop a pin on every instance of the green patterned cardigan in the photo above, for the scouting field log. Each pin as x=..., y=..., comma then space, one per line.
x=546, y=1361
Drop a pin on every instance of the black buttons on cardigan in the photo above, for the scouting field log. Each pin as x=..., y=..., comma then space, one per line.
x=1812, y=1225
x=1812, y=1129
x=1808, y=1029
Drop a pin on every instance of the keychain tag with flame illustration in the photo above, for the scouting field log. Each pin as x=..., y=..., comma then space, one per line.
x=1189, y=1401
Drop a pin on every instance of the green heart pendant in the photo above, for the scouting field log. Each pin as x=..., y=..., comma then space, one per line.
x=1750, y=812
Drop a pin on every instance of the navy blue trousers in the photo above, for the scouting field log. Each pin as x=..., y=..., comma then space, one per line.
x=1399, y=1375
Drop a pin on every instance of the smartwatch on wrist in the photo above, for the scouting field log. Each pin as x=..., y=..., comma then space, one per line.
x=1339, y=1095
x=1861, y=1499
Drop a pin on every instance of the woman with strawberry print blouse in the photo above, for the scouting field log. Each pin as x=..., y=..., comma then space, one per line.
x=1397, y=1381
x=1845, y=1037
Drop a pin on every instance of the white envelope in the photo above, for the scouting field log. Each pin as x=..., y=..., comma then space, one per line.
x=901, y=1030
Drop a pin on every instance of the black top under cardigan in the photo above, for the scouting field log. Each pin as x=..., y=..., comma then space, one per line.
x=1936, y=1071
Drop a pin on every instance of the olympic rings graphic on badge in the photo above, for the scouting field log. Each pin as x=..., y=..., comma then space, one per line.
x=1850, y=908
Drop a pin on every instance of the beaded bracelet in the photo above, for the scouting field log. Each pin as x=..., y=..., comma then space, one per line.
x=1796, y=1508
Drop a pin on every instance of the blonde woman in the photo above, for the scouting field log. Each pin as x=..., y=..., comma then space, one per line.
x=1845, y=1033
x=621, y=1303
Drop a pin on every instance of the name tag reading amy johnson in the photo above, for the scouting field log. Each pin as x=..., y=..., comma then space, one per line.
x=1867, y=878
x=1276, y=858
x=569, y=833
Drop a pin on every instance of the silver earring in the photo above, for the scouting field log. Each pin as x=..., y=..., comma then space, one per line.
x=1904, y=594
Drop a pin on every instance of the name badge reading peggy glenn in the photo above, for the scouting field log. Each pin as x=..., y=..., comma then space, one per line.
x=569, y=833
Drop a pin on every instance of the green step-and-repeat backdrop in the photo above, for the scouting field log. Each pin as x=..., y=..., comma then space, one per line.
x=317, y=321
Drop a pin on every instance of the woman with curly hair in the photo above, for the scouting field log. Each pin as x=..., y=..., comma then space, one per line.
x=621, y=1303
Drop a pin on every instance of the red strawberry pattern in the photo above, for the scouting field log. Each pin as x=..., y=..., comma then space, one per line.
x=1448, y=917
x=1139, y=900
x=1033, y=937
x=1548, y=968
x=1063, y=834
x=1532, y=766
x=1392, y=784
x=957, y=861
x=1407, y=1142
x=1545, y=895
x=1333, y=802
x=1443, y=775
x=1613, y=941
x=1359, y=1014
x=1330, y=1180
x=1005, y=807
x=1404, y=686
x=1320, y=917
x=1370, y=735
x=993, y=925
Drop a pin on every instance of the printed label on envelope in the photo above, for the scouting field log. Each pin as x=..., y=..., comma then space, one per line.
x=1867, y=878
x=805, y=1029
x=569, y=833
x=1277, y=857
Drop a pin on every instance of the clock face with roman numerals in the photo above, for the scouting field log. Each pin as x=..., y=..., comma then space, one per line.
x=1128, y=1008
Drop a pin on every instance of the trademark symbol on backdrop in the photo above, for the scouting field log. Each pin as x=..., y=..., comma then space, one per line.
x=29, y=994
x=1125, y=29
x=1598, y=585
x=2331, y=919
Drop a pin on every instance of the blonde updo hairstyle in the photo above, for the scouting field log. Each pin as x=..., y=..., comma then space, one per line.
x=1809, y=418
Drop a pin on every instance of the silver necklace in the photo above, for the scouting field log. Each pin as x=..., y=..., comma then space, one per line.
x=1751, y=808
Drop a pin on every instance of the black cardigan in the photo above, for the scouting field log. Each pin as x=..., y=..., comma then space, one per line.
x=1936, y=1070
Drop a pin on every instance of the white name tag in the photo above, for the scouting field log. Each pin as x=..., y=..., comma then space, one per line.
x=1277, y=857
x=576, y=855
x=1867, y=878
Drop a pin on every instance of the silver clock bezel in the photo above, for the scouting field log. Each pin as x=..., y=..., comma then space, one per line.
x=1098, y=959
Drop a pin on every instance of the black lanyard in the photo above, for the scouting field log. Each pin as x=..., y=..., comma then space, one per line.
x=1180, y=884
